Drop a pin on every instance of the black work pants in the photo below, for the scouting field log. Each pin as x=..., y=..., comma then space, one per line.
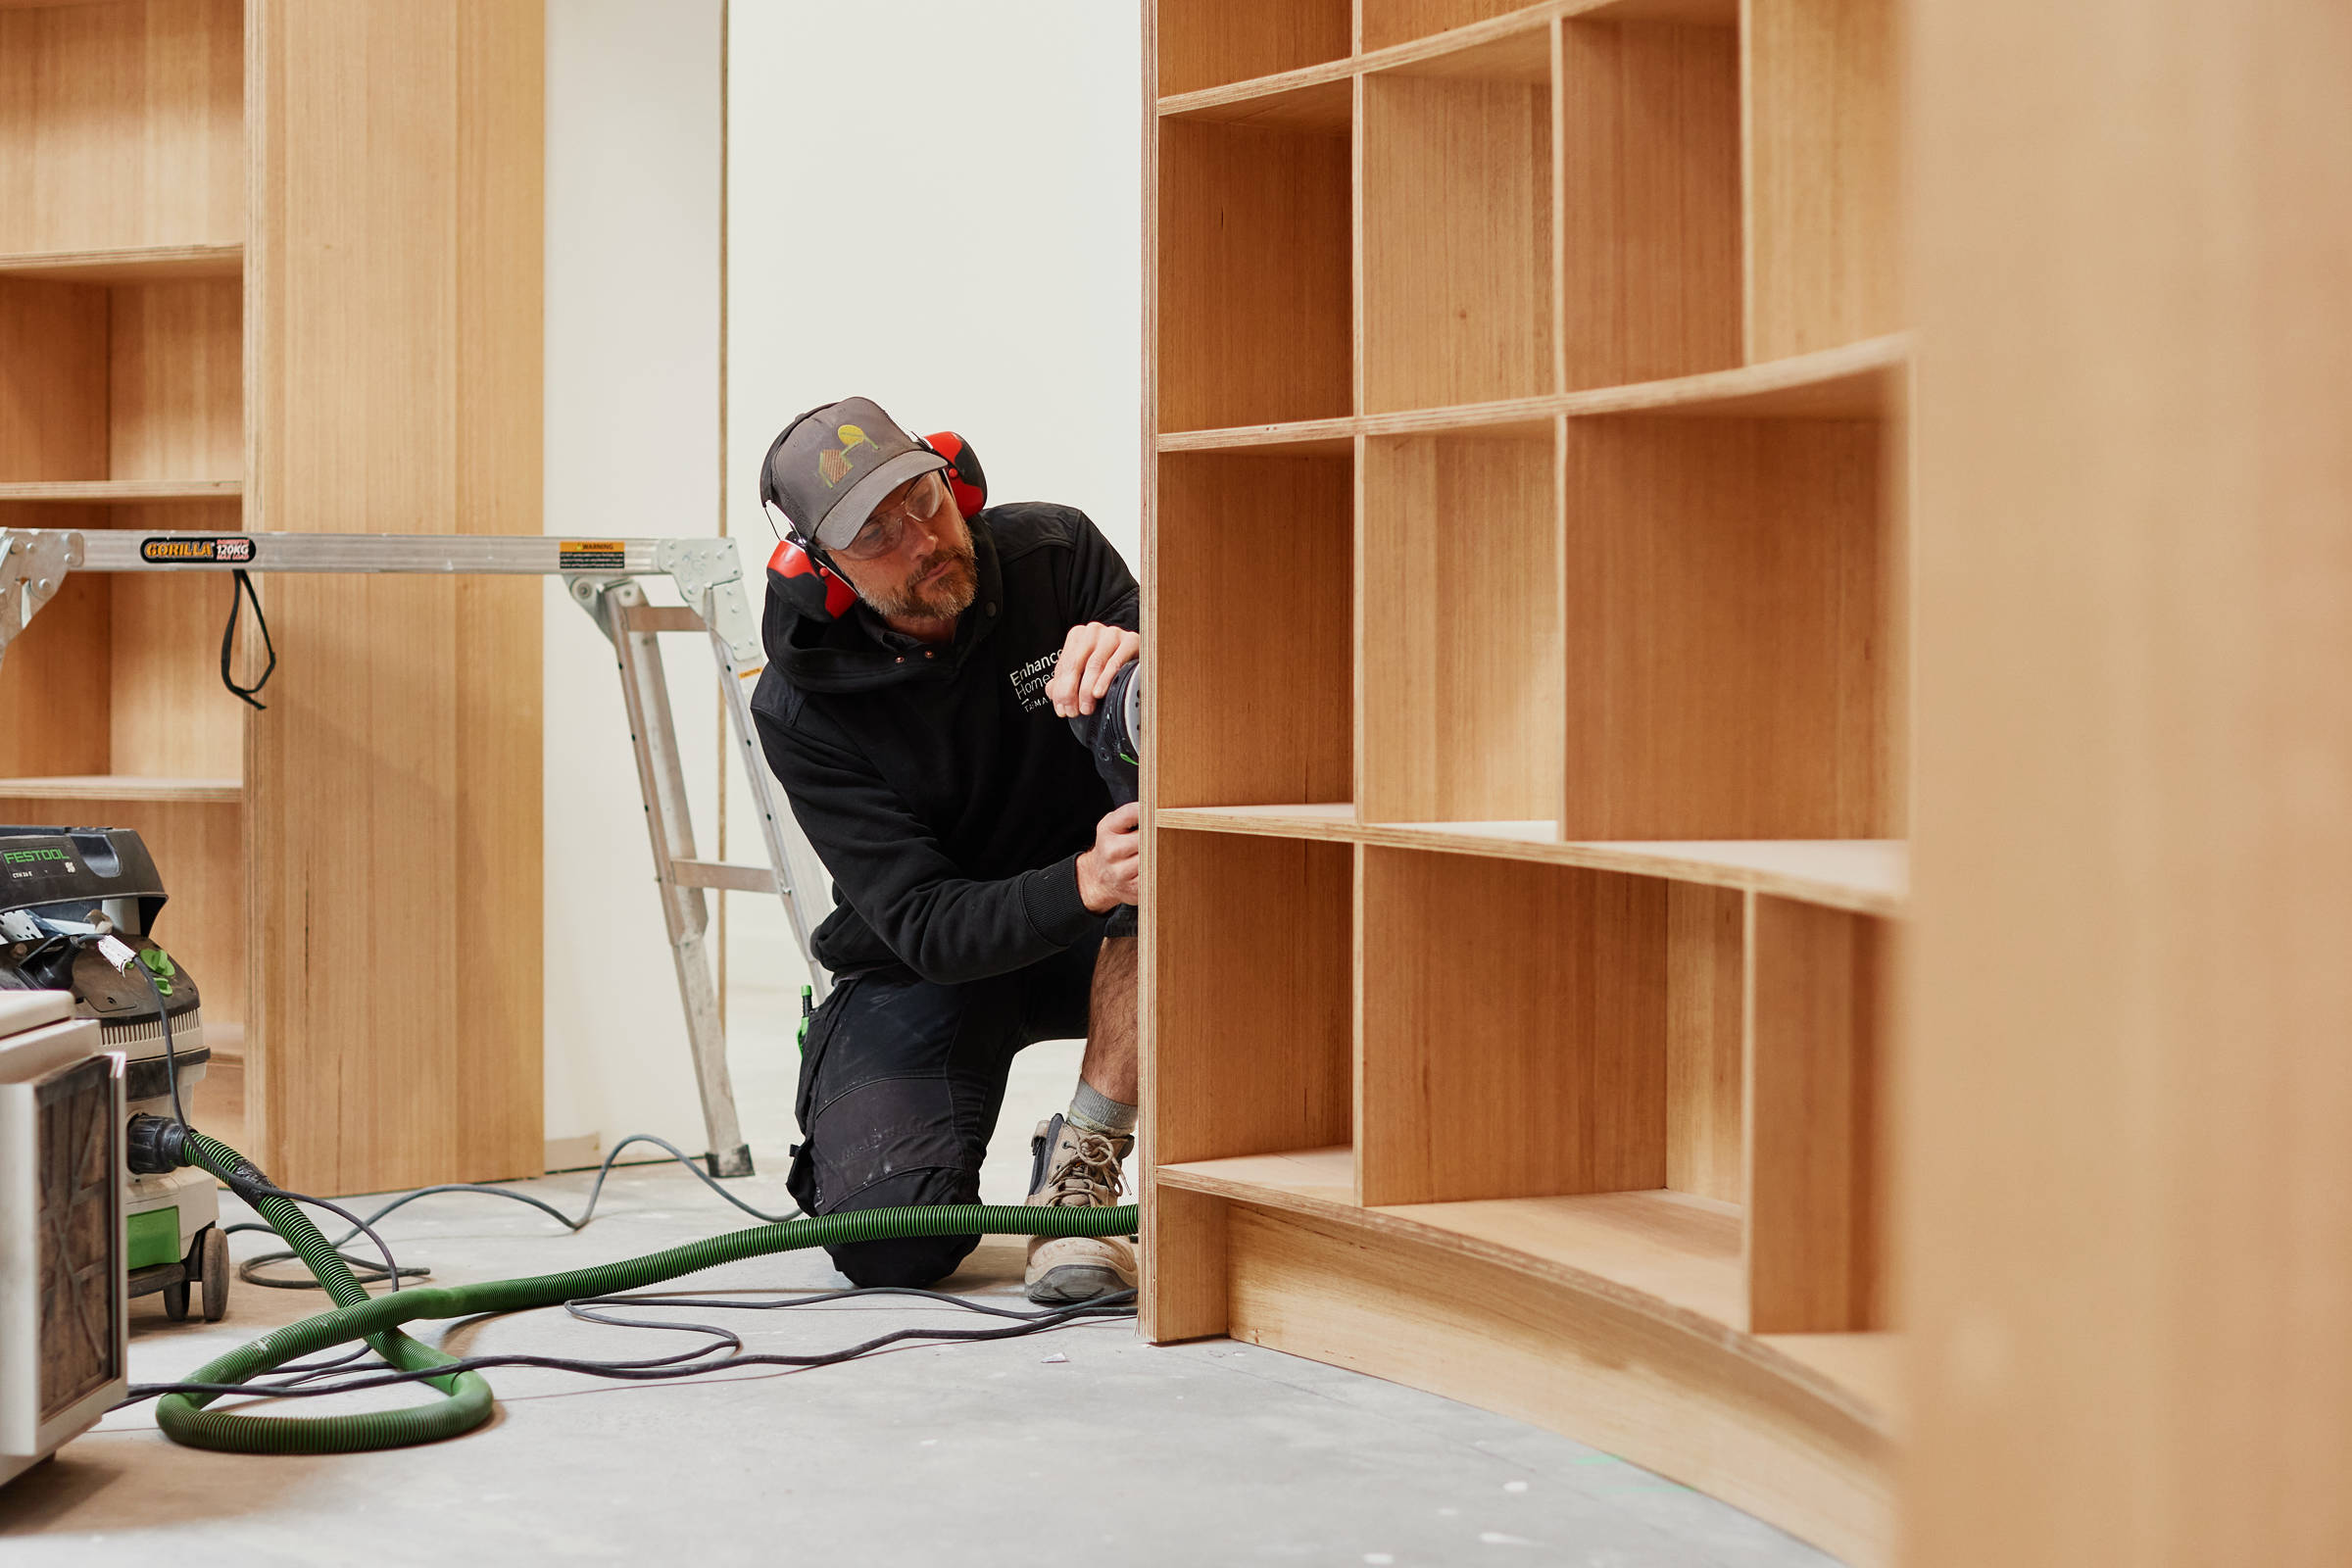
x=900, y=1083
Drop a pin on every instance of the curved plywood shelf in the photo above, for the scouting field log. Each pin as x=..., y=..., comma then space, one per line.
x=1610, y=1317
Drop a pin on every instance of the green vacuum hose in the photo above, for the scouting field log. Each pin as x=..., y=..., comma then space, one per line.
x=469, y=1403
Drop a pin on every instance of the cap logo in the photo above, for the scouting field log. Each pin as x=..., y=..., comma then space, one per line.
x=834, y=467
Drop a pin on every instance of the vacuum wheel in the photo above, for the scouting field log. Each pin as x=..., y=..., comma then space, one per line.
x=214, y=1248
x=175, y=1300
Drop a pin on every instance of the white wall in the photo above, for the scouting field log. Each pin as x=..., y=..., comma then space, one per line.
x=932, y=203
x=940, y=208
x=632, y=448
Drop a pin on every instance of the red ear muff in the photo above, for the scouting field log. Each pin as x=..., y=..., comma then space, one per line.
x=820, y=593
x=964, y=478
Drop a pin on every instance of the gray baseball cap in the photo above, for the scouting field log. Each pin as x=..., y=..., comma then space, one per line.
x=833, y=466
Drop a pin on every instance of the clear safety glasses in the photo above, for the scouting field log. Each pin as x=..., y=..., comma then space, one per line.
x=889, y=523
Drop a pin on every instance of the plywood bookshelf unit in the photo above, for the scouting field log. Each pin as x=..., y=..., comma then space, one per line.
x=267, y=265
x=1527, y=802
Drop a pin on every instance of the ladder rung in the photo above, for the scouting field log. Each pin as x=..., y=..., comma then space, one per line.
x=720, y=874
x=661, y=618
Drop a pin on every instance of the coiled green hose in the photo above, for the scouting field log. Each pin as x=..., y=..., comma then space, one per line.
x=468, y=1402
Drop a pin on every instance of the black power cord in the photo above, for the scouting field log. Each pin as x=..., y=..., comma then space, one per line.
x=369, y=1272
x=303, y=1382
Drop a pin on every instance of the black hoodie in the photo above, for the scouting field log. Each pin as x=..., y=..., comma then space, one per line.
x=948, y=799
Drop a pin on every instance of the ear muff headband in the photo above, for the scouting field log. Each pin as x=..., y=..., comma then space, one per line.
x=966, y=481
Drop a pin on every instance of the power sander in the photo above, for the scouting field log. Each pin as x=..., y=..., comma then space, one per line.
x=78, y=910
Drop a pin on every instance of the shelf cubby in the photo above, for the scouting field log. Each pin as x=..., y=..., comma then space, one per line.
x=1458, y=226
x=1211, y=43
x=1254, y=942
x=195, y=831
x=1460, y=557
x=1251, y=690
x=1514, y=1022
x=122, y=125
x=1823, y=173
x=1252, y=304
x=1726, y=618
x=1649, y=196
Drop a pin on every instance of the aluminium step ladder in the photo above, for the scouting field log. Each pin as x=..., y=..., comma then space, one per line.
x=602, y=576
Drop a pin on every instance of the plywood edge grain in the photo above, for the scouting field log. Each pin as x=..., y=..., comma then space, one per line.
x=122, y=492
x=137, y=264
x=1309, y=101
x=124, y=787
x=1863, y=876
x=1853, y=382
x=1317, y=1175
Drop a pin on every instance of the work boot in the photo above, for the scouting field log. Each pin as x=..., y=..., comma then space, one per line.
x=1077, y=1170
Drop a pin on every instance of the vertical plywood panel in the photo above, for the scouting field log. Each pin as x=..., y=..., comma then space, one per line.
x=396, y=352
x=1252, y=1033
x=500, y=393
x=1254, y=702
x=52, y=380
x=1649, y=145
x=1725, y=627
x=1253, y=275
x=122, y=124
x=1813, y=1073
x=176, y=389
x=1461, y=668
x=2128, y=1189
x=1824, y=169
x=1457, y=239
x=1705, y=964
x=1183, y=1287
x=1514, y=1024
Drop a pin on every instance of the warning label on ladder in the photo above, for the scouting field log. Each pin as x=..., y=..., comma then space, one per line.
x=591, y=555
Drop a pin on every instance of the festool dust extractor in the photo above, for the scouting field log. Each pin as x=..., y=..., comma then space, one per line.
x=77, y=912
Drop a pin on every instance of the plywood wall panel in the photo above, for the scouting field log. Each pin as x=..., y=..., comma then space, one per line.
x=1254, y=324
x=54, y=686
x=1514, y=1030
x=51, y=381
x=2128, y=1190
x=1207, y=43
x=176, y=387
x=1824, y=174
x=396, y=350
x=1725, y=627
x=1649, y=144
x=1395, y=21
x=171, y=716
x=1457, y=240
x=1263, y=548
x=1461, y=666
x=1253, y=1005
x=122, y=124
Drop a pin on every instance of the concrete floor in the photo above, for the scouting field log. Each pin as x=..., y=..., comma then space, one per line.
x=1066, y=1447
